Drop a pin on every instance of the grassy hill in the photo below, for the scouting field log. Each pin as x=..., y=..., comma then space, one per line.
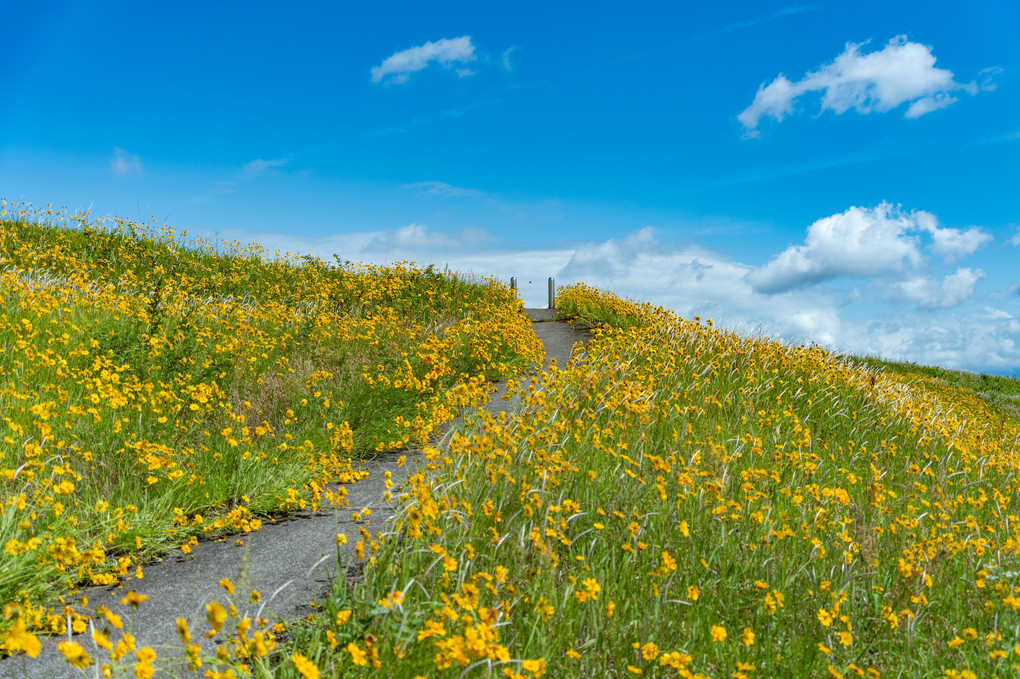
x=679, y=501
x=684, y=501
x=155, y=389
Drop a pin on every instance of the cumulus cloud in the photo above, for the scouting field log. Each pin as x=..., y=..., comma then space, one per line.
x=952, y=244
x=450, y=53
x=861, y=242
x=882, y=80
x=952, y=290
x=864, y=243
x=696, y=281
x=124, y=164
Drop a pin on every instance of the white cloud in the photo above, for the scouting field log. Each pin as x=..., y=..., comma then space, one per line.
x=507, y=64
x=952, y=244
x=947, y=326
x=900, y=72
x=436, y=188
x=997, y=314
x=447, y=52
x=124, y=164
x=774, y=99
x=1015, y=240
x=251, y=170
x=692, y=280
x=952, y=290
x=419, y=239
x=928, y=104
x=258, y=166
x=864, y=243
x=988, y=83
x=971, y=341
x=1004, y=138
x=861, y=242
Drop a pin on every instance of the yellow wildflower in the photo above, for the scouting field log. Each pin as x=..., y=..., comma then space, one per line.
x=305, y=666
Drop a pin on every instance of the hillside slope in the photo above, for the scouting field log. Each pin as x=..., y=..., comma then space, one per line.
x=684, y=501
x=677, y=501
x=155, y=390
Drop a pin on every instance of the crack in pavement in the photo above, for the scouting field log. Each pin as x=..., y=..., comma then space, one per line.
x=290, y=560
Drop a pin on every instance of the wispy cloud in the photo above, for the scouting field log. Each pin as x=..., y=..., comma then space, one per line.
x=988, y=76
x=791, y=169
x=251, y=170
x=450, y=53
x=882, y=80
x=507, y=63
x=248, y=172
x=435, y=188
x=1015, y=240
x=998, y=139
x=778, y=14
x=259, y=166
x=710, y=35
x=124, y=164
x=452, y=112
x=492, y=97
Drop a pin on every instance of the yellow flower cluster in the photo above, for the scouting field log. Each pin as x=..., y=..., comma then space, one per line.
x=156, y=389
x=742, y=507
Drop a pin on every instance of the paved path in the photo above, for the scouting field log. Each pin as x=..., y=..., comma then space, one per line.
x=293, y=557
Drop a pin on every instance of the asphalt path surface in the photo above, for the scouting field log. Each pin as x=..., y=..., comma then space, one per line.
x=290, y=561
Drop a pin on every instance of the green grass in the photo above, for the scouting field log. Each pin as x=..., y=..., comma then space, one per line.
x=998, y=390
x=678, y=501
x=588, y=307
x=830, y=520
x=155, y=392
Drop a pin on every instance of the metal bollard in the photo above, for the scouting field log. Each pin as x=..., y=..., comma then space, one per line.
x=552, y=292
x=513, y=283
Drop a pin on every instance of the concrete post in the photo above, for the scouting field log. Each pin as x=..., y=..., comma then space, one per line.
x=552, y=292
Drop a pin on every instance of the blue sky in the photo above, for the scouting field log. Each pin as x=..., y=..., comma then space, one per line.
x=833, y=172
